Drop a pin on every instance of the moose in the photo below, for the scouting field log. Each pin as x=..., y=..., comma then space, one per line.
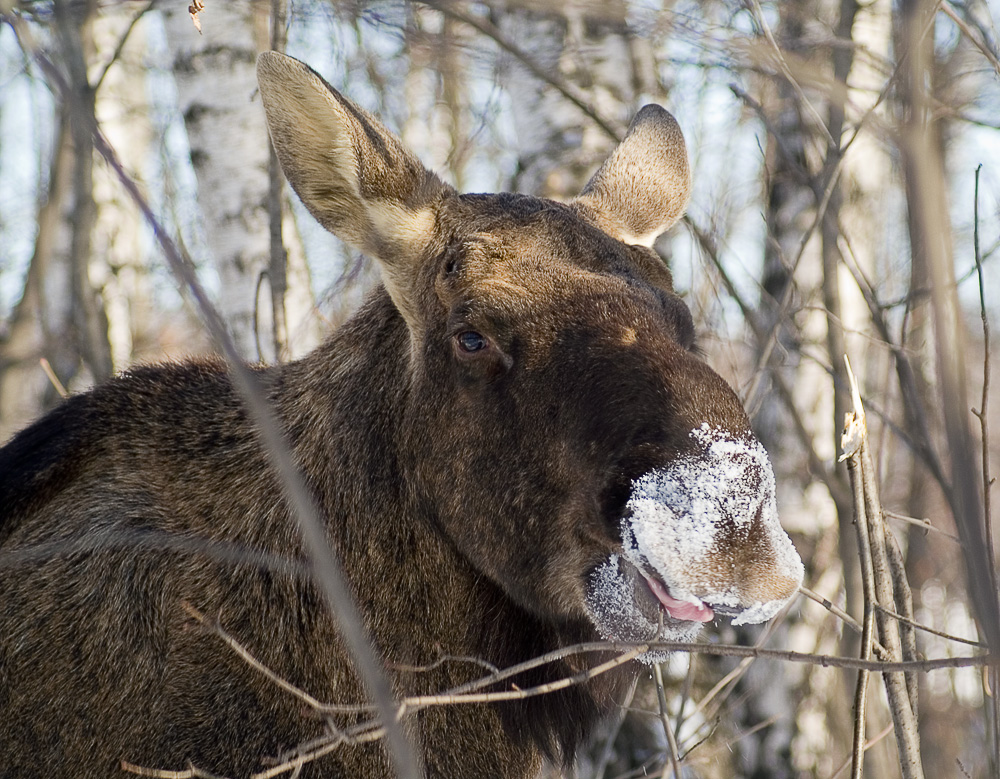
x=513, y=446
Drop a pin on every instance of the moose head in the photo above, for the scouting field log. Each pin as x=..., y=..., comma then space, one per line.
x=514, y=446
x=561, y=427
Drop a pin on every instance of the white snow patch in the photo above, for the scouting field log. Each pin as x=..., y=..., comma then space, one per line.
x=678, y=512
x=758, y=612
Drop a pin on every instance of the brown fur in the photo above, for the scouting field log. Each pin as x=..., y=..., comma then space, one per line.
x=468, y=496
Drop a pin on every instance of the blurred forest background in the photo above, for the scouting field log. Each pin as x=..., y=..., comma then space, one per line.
x=846, y=160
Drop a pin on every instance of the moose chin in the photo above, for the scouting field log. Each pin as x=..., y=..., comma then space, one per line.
x=513, y=446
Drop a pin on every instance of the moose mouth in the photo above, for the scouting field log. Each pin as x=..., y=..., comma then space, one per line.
x=690, y=610
x=628, y=604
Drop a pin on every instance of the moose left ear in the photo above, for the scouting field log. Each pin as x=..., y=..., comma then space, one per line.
x=353, y=174
x=644, y=186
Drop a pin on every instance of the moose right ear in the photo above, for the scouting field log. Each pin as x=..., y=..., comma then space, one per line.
x=353, y=174
x=643, y=188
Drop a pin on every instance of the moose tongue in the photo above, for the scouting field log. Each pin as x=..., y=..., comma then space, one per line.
x=680, y=609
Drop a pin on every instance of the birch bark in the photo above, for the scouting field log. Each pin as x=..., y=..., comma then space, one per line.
x=216, y=86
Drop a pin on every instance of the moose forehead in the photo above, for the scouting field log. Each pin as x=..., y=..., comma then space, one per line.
x=517, y=259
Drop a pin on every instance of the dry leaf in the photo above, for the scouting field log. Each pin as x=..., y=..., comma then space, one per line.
x=194, y=9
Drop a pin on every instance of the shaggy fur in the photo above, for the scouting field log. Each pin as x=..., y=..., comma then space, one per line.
x=469, y=488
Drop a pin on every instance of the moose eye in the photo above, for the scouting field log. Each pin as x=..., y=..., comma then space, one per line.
x=470, y=341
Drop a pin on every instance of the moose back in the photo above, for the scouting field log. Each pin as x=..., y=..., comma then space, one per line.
x=513, y=444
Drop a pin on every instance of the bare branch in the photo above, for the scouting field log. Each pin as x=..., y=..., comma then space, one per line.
x=969, y=33
x=984, y=427
x=981, y=414
x=668, y=731
x=571, y=93
x=878, y=588
x=121, y=43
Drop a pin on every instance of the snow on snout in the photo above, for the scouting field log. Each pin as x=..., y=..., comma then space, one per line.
x=689, y=525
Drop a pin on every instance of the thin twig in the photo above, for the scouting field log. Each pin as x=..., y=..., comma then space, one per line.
x=982, y=412
x=983, y=416
x=868, y=745
x=121, y=44
x=861, y=699
x=927, y=629
x=191, y=772
x=421, y=701
x=419, y=669
x=50, y=374
x=970, y=34
x=922, y=523
x=730, y=678
x=661, y=697
x=252, y=661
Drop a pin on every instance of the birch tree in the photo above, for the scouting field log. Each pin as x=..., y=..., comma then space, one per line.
x=214, y=69
x=60, y=318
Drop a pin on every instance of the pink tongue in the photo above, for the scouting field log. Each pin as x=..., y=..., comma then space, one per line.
x=680, y=609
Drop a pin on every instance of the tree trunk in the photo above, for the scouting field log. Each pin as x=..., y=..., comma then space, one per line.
x=216, y=86
x=61, y=315
x=585, y=48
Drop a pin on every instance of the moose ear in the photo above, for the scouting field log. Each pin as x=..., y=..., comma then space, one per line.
x=643, y=187
x=353, y=175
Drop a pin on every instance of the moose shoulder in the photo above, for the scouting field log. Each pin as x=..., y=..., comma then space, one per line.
x=512, y=444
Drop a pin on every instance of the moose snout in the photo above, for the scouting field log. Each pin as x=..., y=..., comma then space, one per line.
x=700, y=539
x=707, y=527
